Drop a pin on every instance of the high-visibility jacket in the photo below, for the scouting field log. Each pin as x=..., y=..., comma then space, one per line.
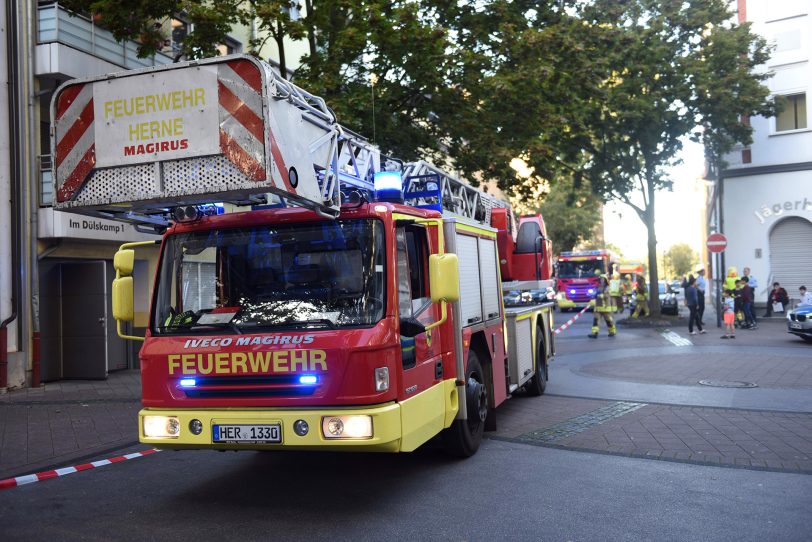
x=603, y=301
x=614, y=287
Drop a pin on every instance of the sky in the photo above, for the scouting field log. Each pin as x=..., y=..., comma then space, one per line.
x=679, y=214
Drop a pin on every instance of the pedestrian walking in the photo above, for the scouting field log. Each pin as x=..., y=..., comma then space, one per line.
x=777, y=300
x=701, y=287
x=692, y=300
x=604, y=308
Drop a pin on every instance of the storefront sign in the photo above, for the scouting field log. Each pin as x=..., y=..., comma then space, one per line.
x=778, y=209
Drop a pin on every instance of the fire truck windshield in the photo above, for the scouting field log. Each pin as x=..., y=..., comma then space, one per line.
x=580, y=269
x=310, y=275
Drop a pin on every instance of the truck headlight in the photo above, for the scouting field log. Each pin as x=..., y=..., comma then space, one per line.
x=346, y=427
x=381, y=378
x=161, y=427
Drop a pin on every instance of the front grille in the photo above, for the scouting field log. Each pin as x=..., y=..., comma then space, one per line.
x=212, y=387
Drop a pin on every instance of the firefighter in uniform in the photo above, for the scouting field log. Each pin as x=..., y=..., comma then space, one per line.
x=604, y=307
x=642, y=298
x=616, y=292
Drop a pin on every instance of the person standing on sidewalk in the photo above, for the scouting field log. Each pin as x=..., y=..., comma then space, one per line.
x=692, y=300
x=753, y=284
x=729, y=315
x=701, y=287
x=747, y=305
x=641, y=303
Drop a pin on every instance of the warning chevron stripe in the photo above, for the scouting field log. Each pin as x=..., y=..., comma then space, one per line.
x=75, y=146
x=242, y=137
x=240, y=111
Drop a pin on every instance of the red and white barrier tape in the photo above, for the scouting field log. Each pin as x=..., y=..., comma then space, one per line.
x=8, y=483
x=569, y=322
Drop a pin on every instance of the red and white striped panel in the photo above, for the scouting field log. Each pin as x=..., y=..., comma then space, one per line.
x=242, y=138
x=75, y=141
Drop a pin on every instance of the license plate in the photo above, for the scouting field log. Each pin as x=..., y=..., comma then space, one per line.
x=794, y=325
x=247, y=433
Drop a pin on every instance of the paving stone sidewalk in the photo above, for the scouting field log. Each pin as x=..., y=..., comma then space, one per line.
x=755, y=439
x=60, y=423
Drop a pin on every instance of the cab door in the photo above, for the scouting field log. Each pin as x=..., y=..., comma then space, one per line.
x=422, y=400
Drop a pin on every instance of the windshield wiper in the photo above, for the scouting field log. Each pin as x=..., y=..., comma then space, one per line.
x=316, y=322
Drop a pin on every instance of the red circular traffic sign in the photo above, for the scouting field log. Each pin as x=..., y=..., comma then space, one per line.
x=716, y=242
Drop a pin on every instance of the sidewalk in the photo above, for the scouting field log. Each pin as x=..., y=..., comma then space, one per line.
x=63, y=422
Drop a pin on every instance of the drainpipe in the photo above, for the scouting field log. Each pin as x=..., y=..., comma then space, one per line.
x=28, y=13
x=14, y=184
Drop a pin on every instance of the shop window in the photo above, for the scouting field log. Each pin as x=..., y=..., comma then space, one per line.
x=793, y=117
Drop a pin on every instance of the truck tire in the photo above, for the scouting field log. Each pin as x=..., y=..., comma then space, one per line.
x=463, y=438
x=536, y=385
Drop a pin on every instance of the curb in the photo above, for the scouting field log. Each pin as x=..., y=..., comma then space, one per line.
x=9, y=483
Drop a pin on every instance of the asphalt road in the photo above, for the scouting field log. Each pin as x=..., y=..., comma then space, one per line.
x=507, y=491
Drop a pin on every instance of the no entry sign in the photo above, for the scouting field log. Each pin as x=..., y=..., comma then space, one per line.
x=717, y=242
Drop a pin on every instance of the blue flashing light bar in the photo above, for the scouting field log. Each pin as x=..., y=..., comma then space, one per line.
x=308, y=379
x=388, y=186
x=187, y=382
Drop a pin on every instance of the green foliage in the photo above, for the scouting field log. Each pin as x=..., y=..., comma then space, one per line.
x=143, y=21
x=680, y=259
x=571, y=215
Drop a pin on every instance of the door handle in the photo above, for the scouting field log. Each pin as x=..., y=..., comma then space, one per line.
x=102, y=320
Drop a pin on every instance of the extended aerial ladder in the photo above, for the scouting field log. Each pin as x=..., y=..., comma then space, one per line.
x=238, y=133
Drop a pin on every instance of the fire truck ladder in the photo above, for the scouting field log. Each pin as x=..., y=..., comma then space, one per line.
x=428, y=187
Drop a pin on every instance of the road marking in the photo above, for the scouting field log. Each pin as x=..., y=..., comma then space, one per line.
x=581, y=423
x=8, y=483
x=675, y=339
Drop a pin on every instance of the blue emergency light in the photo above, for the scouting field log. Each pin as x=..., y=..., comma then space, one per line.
x=308, y=379
x=187, y=382
x=388, y=186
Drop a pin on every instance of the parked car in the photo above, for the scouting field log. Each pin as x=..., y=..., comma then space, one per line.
x=668, y=299
x=799, y=322
x=513, y=297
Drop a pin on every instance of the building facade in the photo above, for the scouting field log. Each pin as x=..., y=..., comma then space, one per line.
x=56, y=268
x=763, y=199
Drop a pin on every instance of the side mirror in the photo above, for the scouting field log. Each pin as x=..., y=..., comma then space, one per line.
x=410, y=327
x=445, y=277
x=123, y=299
x=124, y=261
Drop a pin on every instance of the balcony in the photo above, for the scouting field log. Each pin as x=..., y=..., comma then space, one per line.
x=55, y=25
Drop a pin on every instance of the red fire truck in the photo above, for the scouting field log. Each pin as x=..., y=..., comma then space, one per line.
x=578, y=277
x=362, y=311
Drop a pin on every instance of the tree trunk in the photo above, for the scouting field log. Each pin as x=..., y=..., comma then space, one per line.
x=311, y=33
x=280, y=43
x=653, y=275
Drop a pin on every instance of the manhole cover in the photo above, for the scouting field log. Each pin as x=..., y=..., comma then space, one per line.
x=728, y=384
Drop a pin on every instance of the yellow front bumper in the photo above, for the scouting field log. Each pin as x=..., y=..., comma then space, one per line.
x=396, y=427
x=385, y=424
x=565, y=304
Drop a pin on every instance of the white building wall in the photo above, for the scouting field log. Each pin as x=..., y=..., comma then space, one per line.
x=753, y=203
x=5, y=179
x=752, y=206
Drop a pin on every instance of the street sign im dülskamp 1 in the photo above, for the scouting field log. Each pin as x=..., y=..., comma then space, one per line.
x=717, y=242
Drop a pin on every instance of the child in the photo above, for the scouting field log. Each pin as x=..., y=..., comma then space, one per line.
x=729, y=315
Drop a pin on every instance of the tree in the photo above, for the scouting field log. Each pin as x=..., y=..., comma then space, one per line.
x=570, y=214
x=274, y=18
x=142, y=21
x=669, y=58
x=680, y=259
